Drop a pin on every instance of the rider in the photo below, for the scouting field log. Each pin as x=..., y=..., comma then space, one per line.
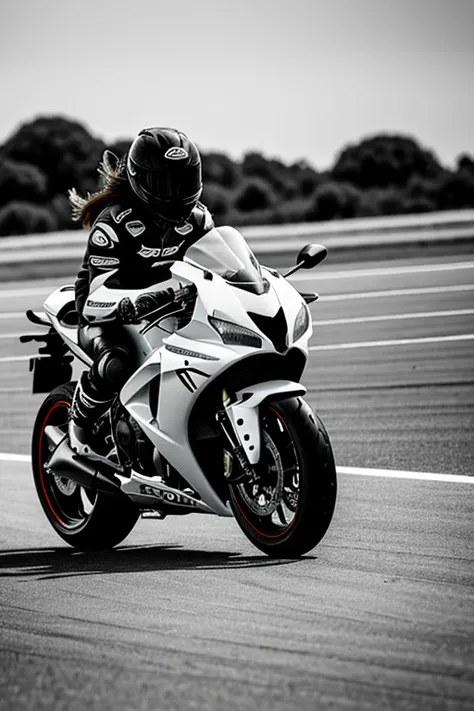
x=147, y=213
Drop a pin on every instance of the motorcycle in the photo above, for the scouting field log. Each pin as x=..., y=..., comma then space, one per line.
x=213, y=419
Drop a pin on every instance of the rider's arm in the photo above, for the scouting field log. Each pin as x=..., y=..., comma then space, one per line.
x=105, y=297
x=98, y=286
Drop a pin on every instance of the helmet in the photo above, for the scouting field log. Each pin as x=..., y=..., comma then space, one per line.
x=164, y=171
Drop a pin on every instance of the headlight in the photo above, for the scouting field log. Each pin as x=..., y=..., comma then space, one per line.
x=301, y=323
x=234, y=335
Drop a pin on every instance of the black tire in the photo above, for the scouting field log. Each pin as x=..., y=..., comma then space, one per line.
x=84, y=519
x=305, y=456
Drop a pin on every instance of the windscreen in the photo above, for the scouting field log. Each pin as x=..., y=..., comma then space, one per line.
x=225, y=252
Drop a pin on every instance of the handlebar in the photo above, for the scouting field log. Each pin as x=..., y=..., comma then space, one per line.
x=150, y=304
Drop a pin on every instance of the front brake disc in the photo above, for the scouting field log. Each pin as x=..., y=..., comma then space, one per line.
x=264, y=498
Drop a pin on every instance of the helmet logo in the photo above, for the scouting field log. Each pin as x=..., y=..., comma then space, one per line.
x=176, y=153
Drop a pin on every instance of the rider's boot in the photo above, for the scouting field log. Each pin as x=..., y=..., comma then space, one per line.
x=87, y=406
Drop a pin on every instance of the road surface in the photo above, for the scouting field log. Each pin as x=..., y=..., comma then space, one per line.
x=187, y=614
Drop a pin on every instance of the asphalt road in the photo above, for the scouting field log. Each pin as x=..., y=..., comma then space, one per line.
x=187, y=614
x=400, y=405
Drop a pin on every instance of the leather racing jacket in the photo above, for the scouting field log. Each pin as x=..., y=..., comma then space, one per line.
x=124, y=253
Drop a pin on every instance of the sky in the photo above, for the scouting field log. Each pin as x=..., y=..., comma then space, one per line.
x=296, y=79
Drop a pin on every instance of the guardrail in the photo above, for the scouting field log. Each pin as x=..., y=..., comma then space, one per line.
x=277, y=244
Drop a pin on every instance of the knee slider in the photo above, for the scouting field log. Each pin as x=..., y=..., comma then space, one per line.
x=111, y=367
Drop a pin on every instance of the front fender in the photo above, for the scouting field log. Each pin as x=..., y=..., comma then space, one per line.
x=244, y=413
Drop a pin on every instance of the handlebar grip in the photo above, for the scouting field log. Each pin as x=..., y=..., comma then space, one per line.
x=148, y=303
x=187, y=292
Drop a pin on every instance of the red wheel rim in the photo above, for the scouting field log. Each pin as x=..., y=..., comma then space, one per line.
x=44, y=488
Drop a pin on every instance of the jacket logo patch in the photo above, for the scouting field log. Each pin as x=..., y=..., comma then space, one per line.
x=153, y=252
x=118, y=218
x=104, y=261
x=184, y=229
x=99, y=239
x=135, y=227
x=176, y=153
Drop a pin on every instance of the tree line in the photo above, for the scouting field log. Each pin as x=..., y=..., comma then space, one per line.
x=380, y=175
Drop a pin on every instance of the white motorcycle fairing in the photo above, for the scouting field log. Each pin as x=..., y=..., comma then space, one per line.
x=166, y=390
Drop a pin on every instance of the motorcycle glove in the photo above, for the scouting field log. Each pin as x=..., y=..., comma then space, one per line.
x=133, y=313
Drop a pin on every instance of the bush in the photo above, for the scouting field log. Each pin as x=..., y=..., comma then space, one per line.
x=220, y=169
x=64, y=150
x=455, y=190
x=389, y=202
x=21, y=218
x=380, y=175
x=384, y=161
x=61, y=208
x=254, y=195
x=217, y=199
x=420, y=205
x=21, y=181
x=273, y=172
x=334, y=201
x=295, y=210
x=466, y=163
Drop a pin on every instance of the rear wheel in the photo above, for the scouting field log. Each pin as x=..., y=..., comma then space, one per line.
x=288, y=510
x=82, y=517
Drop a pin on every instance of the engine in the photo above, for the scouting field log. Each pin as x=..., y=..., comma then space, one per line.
x=133, y=449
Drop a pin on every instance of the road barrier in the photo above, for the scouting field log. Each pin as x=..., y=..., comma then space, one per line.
x=58, y=253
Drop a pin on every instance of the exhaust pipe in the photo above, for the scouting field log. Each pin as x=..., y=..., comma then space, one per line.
x=84, y=472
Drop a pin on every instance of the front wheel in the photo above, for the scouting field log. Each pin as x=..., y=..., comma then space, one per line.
x=83, y=518
x=287, y=511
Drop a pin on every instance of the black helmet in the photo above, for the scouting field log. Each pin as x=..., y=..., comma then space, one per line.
x=164, y=171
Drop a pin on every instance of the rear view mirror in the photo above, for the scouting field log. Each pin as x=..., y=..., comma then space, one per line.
x=311, y=255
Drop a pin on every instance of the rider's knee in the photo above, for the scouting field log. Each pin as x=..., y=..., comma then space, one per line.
x=111, y=367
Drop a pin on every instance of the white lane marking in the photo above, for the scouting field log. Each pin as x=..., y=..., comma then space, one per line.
x=358, y=319
x=7, y=457
x=27, y=291
x=396, y=342
x=397, y=292
x=323, y=297
x=358, y=471
x=329, y=347
x=385, y=271
x=332, y=322
x=300, y=276
x=394, y=317
x=13, y=314
x=17, y=359
x=12, y=335
x=393, y=474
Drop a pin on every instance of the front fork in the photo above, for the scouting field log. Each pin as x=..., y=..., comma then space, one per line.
x=237, y=454
x=239, y=419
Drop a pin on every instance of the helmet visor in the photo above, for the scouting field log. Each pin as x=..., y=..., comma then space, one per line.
x=174, y=185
